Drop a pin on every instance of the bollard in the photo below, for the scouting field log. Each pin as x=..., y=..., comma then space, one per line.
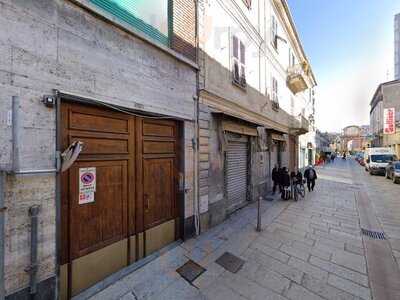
x=259, y=214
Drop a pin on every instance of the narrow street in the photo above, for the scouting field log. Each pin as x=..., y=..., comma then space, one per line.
x=312, y=249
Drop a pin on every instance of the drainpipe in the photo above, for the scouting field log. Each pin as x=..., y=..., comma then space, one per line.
x=33, y=267
x=15, y=138
x=2, y=231
x=34, y=209
x=196, y=147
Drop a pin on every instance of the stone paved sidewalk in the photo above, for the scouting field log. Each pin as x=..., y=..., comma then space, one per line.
x=311, y=249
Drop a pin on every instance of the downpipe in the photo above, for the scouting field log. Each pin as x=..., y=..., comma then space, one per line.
x=2, y=231
x=33, y=211
x=196, y=148
x=33, y=267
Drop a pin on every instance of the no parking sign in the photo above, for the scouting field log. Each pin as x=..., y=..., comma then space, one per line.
x=87, y=185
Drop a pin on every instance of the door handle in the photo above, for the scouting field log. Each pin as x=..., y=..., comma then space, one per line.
x=146, y=202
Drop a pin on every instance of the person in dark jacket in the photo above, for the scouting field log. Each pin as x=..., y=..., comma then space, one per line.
x=275, y=178
x=310, y=175
x=280, y=173
x=299, y=177
x=285, y=184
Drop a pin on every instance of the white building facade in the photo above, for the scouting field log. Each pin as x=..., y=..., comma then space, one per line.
x=255, y=101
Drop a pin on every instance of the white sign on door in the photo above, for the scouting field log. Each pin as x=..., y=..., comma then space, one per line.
x=87, y=185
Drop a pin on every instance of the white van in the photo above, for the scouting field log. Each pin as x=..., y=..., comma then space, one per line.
x=376, y=159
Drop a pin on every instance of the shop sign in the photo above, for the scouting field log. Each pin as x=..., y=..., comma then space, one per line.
x=389, y=122
x=87, y=185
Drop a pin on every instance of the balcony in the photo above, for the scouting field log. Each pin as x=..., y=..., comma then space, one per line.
x=297, y=78
x=299, y=125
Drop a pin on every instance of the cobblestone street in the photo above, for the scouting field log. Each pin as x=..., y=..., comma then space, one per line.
x=311, y=249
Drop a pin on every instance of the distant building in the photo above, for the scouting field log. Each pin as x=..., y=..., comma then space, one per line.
x=387, y=95
x=365, y=130
x=350, y=133
x=397, y=46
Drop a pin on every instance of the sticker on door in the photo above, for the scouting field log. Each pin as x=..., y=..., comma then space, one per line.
x=87, y=185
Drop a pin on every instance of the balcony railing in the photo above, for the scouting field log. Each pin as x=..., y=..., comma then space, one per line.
x=297, y=78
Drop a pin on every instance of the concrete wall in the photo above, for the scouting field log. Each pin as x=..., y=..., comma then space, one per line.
x=54, y=44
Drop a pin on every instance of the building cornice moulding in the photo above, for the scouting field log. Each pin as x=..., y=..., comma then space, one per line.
x=236, y=110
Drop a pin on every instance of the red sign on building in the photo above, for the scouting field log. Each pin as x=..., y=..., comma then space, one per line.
x=389, y=121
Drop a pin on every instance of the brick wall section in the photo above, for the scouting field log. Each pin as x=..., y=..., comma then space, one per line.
x=184, y=28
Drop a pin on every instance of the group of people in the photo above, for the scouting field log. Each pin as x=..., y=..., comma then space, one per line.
x=283, y=180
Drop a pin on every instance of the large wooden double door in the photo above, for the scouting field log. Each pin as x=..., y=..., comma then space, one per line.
x=133, y=210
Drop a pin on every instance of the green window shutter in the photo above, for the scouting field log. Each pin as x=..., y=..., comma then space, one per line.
x=150, y=17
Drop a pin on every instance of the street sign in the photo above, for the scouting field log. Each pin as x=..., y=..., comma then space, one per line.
x=87, y=185
x=389, y=122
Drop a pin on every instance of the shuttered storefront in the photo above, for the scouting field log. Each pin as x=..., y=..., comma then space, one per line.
x=236, y=172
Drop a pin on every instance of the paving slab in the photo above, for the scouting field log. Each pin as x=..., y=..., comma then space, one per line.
x=310, y=249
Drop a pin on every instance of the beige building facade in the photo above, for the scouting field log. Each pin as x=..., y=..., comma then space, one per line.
x=254, y=87
x=387, y=96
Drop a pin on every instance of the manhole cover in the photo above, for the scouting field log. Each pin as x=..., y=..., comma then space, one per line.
x=373, y=234
x=190, y=270
x=230, y=262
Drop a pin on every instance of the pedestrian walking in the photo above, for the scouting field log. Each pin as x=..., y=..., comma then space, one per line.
x=285, y=184
x=310, y=175
x=280, y=175
x=275, y=178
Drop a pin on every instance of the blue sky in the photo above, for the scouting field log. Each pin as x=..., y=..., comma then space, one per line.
x=350, y=46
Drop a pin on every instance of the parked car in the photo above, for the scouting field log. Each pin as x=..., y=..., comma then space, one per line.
x=393, y=171
x=377, y=159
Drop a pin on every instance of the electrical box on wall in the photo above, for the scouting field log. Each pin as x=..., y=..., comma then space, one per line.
x=49, y=100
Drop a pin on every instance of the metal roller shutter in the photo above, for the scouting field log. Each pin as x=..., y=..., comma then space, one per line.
x=236, y=174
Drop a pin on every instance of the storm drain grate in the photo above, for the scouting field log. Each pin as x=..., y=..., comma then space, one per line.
x=373, y=234
x=190, y=271
x=230, y=262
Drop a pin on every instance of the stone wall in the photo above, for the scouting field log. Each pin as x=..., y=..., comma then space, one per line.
x=55, y=44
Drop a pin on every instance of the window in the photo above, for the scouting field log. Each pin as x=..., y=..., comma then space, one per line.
x=274, y=32
x=291, y=58
x=141, y=14
x=247, y=3
x=274, y=94
x=239, y=61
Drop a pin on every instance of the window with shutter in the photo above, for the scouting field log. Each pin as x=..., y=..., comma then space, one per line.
x=274, y=96
x=235, y=43
x=141, y=14
x=239, y=61
x=247, y=3
x=274, y=32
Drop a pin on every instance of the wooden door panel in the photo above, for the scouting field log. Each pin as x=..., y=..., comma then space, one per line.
x=97, y=145
x=157, y=170
x=160, y=128
x=95, y=225
x=158, y=190
x=95, y=119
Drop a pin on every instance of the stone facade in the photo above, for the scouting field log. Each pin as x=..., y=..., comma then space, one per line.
x=64, y=45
